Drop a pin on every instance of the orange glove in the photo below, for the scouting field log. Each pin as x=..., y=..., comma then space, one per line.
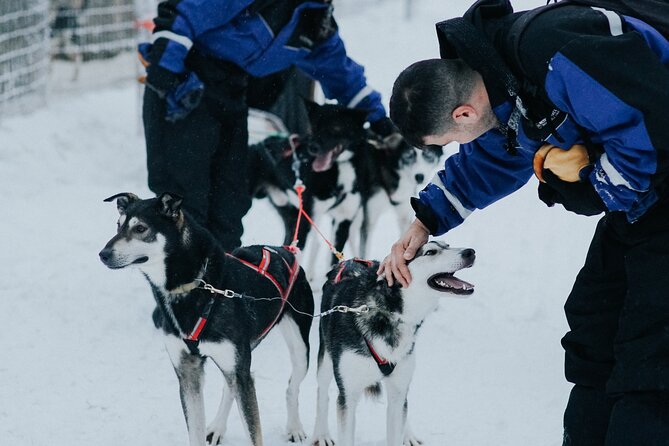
x=145, y=63
x=565, y=164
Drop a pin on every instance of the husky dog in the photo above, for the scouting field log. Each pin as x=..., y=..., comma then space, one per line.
x=184, y=266
x=403, y=170
x=361, y=350
x=348, y=175
x=323, y=162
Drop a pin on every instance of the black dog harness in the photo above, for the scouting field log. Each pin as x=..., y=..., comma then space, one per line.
x=384, y=365
x=280, y=273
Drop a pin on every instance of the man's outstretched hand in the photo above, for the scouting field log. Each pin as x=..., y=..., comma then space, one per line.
x=394, y=266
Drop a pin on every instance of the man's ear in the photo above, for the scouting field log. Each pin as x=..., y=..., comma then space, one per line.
x=465, y=114
x=170, y=205
x=123, y=200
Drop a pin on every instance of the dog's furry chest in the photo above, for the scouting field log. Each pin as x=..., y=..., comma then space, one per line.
x=178, y=315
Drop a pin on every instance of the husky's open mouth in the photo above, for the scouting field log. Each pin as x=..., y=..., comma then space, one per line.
x=447, y=282
x=324, y=161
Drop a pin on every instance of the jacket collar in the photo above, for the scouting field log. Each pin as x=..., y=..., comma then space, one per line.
x=470, y=38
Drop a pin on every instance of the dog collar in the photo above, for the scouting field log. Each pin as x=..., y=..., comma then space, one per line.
x=188, y=287
x=384, y=365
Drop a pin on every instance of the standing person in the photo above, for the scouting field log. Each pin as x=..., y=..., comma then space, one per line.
x=195, y=108
x=579, y=96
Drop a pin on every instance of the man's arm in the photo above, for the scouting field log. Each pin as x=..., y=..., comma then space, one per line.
x=179, y=23
x=608, y=74
x=342, y=78
x=479, y=174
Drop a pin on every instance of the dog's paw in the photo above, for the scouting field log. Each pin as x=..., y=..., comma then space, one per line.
x=296, y=436
x=411, y=440
x=214, y=435
x=322, y=440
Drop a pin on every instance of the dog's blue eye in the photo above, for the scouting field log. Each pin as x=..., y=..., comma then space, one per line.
x=430, y=252
x=139, y=229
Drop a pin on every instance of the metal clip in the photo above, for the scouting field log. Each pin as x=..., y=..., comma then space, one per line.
x=341, y=308
x=363, y=309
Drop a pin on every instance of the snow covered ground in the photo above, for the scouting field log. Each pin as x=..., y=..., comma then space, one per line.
x=82, y=365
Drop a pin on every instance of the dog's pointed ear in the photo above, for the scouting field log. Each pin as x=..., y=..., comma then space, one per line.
x=360, y=114
x=123, y=200
x=311, y=106
x=170, y=205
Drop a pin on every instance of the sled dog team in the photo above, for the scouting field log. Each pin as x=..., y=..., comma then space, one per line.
x=220, y=305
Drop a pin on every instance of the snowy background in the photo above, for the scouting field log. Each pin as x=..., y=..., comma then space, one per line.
x=82, y=365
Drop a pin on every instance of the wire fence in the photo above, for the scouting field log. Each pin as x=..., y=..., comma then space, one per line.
x=24, y=51
x=46, y=43
x=92, y=29
x=36, y=33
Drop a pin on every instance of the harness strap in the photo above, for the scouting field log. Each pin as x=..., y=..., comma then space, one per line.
x=262, y=269
x=384, y=365
x=342, y=267
x=294, y=270
x=193, y=339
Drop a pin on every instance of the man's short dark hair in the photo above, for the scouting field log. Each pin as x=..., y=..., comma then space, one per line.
x=426, y=93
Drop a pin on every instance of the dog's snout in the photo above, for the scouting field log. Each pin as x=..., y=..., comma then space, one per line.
x=419, y=178
x=468, y=254
x=314, y=148
x=105, y=255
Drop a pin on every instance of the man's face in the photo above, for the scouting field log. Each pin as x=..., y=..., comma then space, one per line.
x=448, y=137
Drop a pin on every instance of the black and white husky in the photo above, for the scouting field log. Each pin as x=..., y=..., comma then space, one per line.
x=361, y=350
x=349, y=175
x=184, y=264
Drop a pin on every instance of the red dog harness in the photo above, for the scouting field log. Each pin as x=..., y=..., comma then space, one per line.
x=263, y=268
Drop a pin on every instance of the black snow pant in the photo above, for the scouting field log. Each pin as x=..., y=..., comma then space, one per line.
x=617, y=349
x=203, y=157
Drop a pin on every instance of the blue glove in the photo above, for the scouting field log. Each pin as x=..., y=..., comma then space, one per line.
x=182, y=92
x=184, y=98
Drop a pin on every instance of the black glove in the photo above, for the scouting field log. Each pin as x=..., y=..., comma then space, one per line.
x=388, y=133
x=162, y=81
x=580, y=197
x=383, y=127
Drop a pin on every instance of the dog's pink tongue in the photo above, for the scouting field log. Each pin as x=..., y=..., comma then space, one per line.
x=454, y=282
x=323, y=162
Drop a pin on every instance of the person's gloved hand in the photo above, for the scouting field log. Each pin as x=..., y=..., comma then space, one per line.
x=387, y=132
x=578, y=197
x=184, y=98
x=182, y=92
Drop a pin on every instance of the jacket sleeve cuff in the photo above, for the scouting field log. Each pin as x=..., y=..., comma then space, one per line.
x=425, y=215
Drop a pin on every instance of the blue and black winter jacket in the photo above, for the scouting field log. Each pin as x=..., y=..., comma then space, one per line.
x=262, y=42
x=607, y=74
